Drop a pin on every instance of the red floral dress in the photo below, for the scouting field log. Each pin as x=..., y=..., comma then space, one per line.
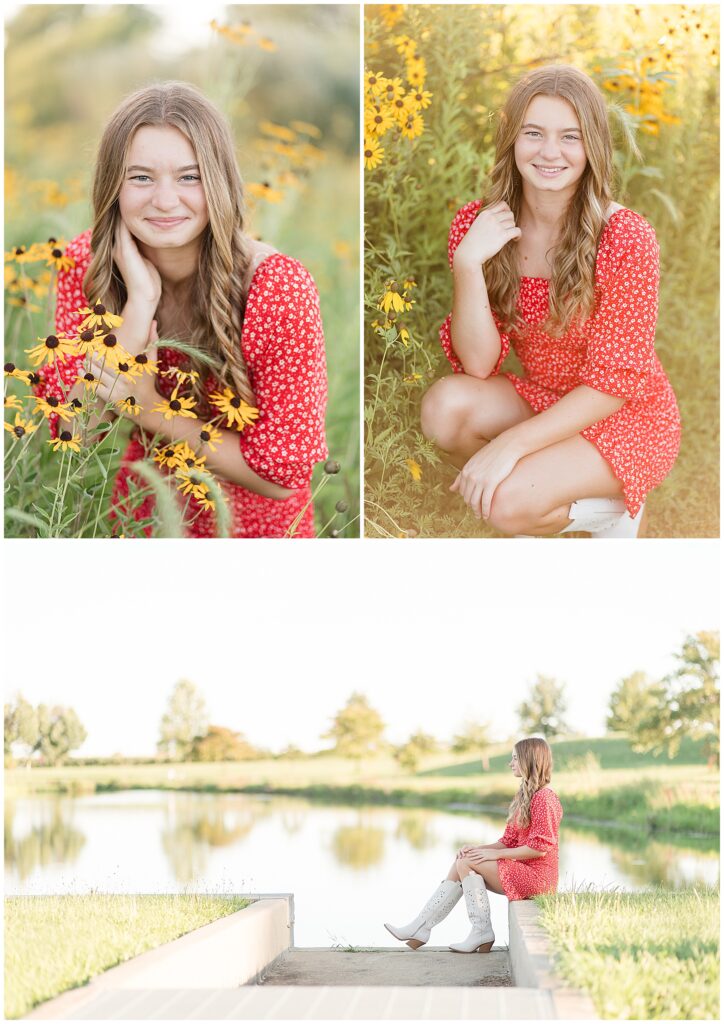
x=522, y=879
x=613, y=352
x=283, y=345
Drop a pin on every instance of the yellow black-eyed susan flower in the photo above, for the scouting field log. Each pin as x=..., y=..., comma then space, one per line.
x=378, y=121
x=52, y=406
x=51, y=348
x=144, y=365
x=394, y=298
x=58, y=259
x=416, y=72
x=86, y=340
x=99, y=316
x=12, y=402
x=64, y=441
x=22, y=303
x=108, y=348
x=15, y=253
x=238, y=412
x=418, y=99
x=11, y=370
x=21, y=426
x=175, y=406
x=391, y=13
x=405, y=46
x=171, y=455
x=374, y=82
x=129, y=406
x=197, y=490
x=210, y=436
x=373, y=153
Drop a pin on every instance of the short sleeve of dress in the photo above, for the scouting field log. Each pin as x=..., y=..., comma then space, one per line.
x=283, y=342
x=545, y=817
x=509, y=838
x=461, y=224
x=620, y=333
x=56, y=379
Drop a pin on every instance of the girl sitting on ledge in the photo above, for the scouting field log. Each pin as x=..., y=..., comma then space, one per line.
x=523, y=863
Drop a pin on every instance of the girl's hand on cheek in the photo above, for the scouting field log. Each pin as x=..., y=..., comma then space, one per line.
x=141, y=278
x=482, y=474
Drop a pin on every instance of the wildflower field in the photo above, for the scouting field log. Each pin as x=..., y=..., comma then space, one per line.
x=297, y=154
x=435, y=78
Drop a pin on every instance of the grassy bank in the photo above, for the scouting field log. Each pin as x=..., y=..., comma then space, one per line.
x=642, y=956
x=661, y=797
x=55, y=943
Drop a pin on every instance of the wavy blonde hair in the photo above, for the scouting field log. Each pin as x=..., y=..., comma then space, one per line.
x=535, y=761
x=571, y=290
x=218, y=293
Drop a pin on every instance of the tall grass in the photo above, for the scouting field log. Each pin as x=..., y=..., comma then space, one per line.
x=641, y=956
x=473, y=53
x=55, y=943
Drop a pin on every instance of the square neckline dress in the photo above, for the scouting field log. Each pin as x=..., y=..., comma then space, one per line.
x=612, y=351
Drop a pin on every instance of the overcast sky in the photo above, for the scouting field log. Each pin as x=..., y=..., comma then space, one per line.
x=277, y=635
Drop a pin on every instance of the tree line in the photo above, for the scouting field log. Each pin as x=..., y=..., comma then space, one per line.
x=654, y=714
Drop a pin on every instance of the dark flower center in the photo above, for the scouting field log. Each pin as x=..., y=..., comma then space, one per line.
x=378, y=119
x=99, y=309
x=175, y=404
x=9, y=367
x=235, y=402
x=394, y=287
x=368, y=153
x=142, y=359
x=20, y=250
x=66, y=436
x=87, y=336
x=18, y=431
x=52, y=241
x=89, y=377
x=205, y=435
x=57, y=253
x=76, y=403
x=123, y=367
x=33, y=378
x=53, y=402
x=51, y=341
x=399, y=104
x=190, y=463
x=131, y=400
x=110, y=340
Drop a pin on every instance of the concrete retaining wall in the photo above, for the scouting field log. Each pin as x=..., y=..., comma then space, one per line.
x=222, y=955
x=532, y=963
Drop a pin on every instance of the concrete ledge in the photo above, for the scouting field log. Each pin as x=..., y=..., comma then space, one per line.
x=532, y=963
x=225, y=954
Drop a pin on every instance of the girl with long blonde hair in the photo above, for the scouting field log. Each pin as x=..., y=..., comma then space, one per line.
x=244, y=388
x=521, y=864
x=550, y=265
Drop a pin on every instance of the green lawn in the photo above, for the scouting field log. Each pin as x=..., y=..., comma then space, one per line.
x=55, y=943
x=642, y=956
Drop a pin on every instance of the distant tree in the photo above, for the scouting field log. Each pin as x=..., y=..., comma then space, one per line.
x=21, y=727
x=409, y=755
x=544, y=710
x=473, y=737
x=635, y=701
x=185, y=721
x=357, y=729
x=59, y=732
x=684, y=703
x=220, y=744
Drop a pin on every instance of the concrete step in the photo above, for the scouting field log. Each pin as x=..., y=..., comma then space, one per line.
x=400, y=967
x=261, y=1002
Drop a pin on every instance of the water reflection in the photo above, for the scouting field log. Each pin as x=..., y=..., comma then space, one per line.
x=169, y=841
x=359, y=846
x=51, y=840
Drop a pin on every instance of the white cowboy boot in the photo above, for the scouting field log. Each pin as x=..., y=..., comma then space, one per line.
x=601, y=518
x=417, y=932
x=481, y=937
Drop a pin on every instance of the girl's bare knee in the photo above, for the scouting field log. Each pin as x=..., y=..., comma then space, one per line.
x=514, y=509
x=444, y=413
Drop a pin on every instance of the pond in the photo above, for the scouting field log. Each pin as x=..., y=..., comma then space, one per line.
x=350, y=868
